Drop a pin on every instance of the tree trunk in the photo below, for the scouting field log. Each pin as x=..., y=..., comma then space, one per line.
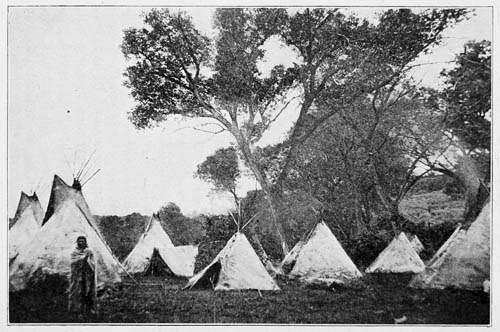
x=475, y=192
x=474, y=201
x=265, y=185
x=392, y=207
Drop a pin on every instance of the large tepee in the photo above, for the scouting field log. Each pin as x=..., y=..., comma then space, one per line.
x=155, y=252
x=68, y=217
x=237, y=266
x=398, y=257
x=322, y=259
x=463, y=261
x=29, y=201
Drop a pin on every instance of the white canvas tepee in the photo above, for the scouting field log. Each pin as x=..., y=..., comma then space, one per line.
x=179, y=260
x=23, y=231
x=49, y=251
x=398, y=257
x=27, y=201
x=463, y=261
x=322, y=259
x=237, y=266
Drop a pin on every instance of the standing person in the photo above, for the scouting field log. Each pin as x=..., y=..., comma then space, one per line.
x=82, y=290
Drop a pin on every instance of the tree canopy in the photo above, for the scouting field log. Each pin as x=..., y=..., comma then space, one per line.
x=340, y=59
x=467, y=95
x=221, y=170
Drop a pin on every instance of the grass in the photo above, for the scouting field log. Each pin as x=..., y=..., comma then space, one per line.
x=432, y=208
x=376, y=299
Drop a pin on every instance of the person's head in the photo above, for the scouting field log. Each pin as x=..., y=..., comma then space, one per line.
x=81, y=242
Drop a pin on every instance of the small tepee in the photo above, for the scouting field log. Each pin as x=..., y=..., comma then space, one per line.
x=416, y=244
x=32, y=202
x=156, y=254
x=398, y=257
x=68, y=217
x=463, y=261
x=237, y=266
x=322, y=259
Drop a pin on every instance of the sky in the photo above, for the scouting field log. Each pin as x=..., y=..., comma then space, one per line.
x=66, y=100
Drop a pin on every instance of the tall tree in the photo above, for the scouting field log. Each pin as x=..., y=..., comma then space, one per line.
x=337, y=56
x=221, y=170
x=465, y=103
x=467, y=94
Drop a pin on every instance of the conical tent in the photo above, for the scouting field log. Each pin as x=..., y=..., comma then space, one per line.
x=26, y=201
x=237, y=266
x=322, y=259
x=464, y=263
x=398, y=257
x=154, y=245
x=68, y=216
x=416, y=244
x=22, y=232
x=49, y=251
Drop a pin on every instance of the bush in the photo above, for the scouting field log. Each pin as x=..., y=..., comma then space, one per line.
x=122, y=233
x=436, y=183
x=364, y=248
x=219, y=229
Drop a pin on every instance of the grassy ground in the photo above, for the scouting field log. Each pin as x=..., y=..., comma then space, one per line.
x=377, y=299
x=433, y=208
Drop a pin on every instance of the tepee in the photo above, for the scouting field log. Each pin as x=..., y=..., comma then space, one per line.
x=463, y=261
x=416, y=244
x=322, y=259
x=398, y=257
x=23, y=231
x=68, y=216
x=155, y=253
x=237, y=266
x=32, y=202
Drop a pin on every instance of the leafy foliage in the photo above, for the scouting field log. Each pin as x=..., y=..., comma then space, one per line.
x=181, y=229
x=221, y=170
x=219, y=230
x=468, y=95
x=122, y=233
x=341, y=61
